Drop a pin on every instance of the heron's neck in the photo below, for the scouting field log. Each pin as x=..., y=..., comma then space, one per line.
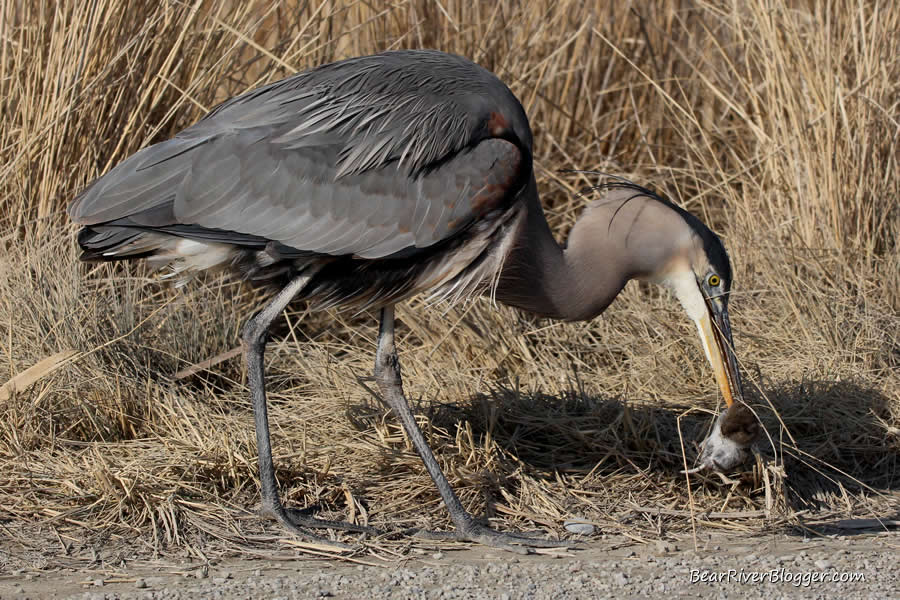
x=573, y=283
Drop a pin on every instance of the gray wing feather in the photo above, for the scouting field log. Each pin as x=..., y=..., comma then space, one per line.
x=146, y=179
x=368, y=156
x=301, y=205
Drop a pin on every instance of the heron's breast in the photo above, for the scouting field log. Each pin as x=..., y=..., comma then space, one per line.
x=475, y=265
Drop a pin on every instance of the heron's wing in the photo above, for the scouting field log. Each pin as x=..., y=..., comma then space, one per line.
x=292, y=197
x=236, y=189
x=368, y=157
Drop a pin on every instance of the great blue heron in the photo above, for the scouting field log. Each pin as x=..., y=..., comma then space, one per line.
x=366, y=181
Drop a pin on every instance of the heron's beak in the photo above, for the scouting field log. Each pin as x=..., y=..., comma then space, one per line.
x=715, y=333
x=737, y=427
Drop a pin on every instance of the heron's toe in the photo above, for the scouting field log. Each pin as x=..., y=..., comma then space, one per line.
x=303, y=518
x=517, y=542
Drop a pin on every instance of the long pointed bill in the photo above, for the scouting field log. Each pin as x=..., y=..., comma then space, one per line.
x=737, y=427
x=715, y=333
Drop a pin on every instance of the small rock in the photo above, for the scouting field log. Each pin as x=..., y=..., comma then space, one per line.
x=98, y=583
x=579, y=527
x=140, y=583
x=437, y=555
x=663, y=546
x=823, y=564
x=257, y=573
x=620, y=578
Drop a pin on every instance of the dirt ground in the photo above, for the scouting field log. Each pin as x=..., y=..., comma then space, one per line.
x=849, y=564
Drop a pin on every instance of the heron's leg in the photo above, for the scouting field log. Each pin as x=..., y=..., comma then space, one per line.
x=390, y=383
x=255, y=336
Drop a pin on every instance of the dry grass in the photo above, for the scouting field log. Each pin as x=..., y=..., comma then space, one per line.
x=778, y=124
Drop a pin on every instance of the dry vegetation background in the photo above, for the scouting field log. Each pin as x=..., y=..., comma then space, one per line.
x=775, y=122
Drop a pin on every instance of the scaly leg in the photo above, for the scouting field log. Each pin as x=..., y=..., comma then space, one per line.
x=387, y=375
x=255, y=336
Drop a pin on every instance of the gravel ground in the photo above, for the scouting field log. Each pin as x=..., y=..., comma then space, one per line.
x=592, y=571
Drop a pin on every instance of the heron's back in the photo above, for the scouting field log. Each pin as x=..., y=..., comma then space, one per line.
x=388, y=174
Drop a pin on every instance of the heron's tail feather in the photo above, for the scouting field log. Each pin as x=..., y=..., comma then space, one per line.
x=115, y=243
x=182, y=256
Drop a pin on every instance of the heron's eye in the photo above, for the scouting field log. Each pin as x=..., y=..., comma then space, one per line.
x=714, y=281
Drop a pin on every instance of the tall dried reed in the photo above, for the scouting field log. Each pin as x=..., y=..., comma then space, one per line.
x=776, y=122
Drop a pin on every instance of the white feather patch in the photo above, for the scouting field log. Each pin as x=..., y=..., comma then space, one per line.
x=185, y=257
x=682, y=281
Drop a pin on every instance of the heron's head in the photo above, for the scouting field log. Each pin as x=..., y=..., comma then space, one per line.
x=647, y=237
x=699, y=273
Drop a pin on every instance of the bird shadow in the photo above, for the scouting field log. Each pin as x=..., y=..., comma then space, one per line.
x=838, y=444
x=831, y=437
x=825, y=438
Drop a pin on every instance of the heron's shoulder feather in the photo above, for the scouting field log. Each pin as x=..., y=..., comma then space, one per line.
x=410, y=107
x=370, y=157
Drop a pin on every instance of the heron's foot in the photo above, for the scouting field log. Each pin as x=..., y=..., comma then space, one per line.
x=299, y=522
x=518, y=542
x=304, y=518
